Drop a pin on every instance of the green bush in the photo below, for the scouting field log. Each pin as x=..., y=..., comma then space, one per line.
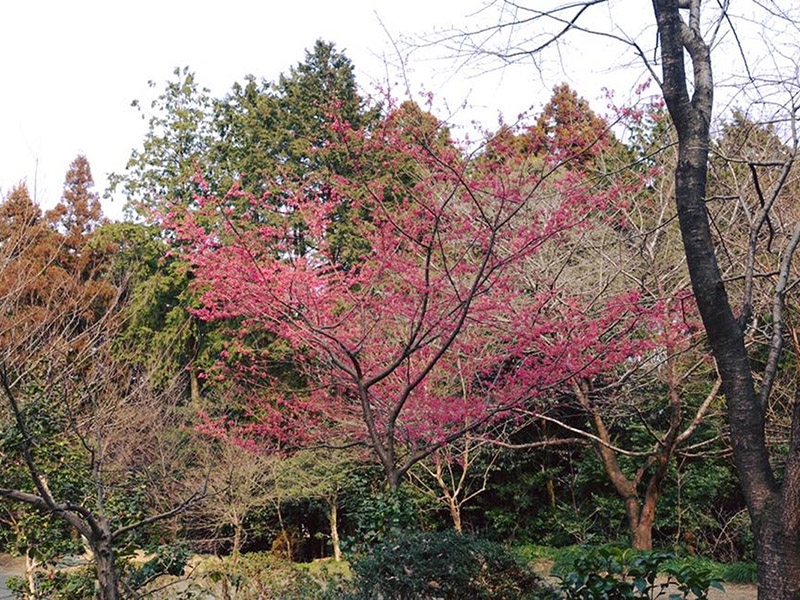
x=166, y=560
x=443, y=565
x=533, y=552
x=77, y=584
x=564, y=559
x=613, y=573
x=380, y=514
x=262, y=575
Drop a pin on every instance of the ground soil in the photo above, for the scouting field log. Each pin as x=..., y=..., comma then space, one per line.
x=735, y=591
x=9, y=567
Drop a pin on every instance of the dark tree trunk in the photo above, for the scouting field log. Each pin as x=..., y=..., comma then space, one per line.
x=641, y=517
x=778, y=557
x=393, y=477
x=107, y=584
x=773, y=509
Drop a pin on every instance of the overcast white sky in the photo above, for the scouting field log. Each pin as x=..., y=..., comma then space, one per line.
x=70, y=69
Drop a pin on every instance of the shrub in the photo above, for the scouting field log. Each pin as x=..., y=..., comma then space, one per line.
x=77, y=584
x=379, y=515
x=564, y=559
x=533, y=552
x=611, y=573
x=443, y=565
x=165, y=560
x=263, y=575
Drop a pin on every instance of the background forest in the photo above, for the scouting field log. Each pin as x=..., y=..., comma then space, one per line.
x=327, y=329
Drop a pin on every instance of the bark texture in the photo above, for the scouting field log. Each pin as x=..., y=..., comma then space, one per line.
x=773, y=507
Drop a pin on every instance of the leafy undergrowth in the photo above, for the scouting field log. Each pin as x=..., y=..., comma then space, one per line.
x=558, y=562
x=433, y=565
x=262, y=575
x=444, y=566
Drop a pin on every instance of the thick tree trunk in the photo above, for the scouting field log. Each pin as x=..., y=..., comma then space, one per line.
x=773, y=508
x=778, y=558
x=107, y=584
x=393, y=477
x=632, y=511
x=640, y=524
x=642, y=538
x=640, y=516
x=643, y=532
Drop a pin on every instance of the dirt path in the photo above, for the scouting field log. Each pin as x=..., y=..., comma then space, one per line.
x=9, y=567
x=735, y=591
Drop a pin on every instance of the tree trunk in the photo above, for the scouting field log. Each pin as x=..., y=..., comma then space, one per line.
x=237, y=538
x=30, y=569
x=551, y=492
x=107, y=585
x=455, y=513
x=773, y=508
x=778, y=558
x=640, y=522
x=641, y=538
x=333, y=517
x=393, y=477
x=194, y=387
x=640, y=528
x=642, y=533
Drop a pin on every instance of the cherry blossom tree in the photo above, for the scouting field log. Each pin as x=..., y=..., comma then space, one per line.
x=432, y=324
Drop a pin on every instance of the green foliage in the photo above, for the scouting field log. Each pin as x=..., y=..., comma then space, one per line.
x=613, y=573
x=159, y=333
x=380, y=514
x=78, y=583
x=175, y=147
x=444, y=565
x=565, y=558
x=699, y=510
x=533, y=552
x=244, y=137
x=22, y=529
x=738, y=572
x=259, y=575
x=167, y=560
x=263, y=126
x=75, y=584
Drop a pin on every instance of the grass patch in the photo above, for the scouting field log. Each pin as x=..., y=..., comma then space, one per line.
x=737, y=572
